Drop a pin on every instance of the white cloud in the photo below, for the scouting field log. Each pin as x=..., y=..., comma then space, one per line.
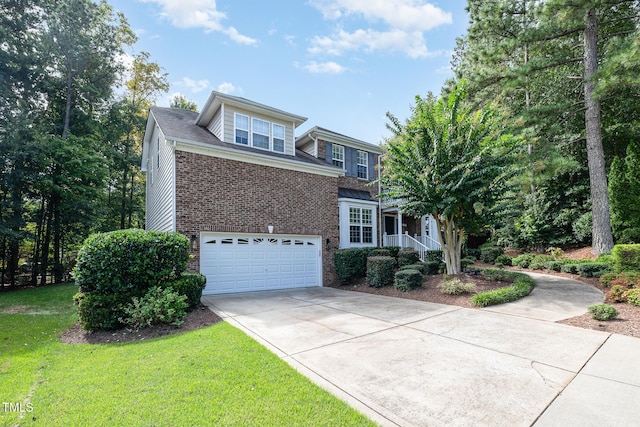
x=324, y=68
x=199, y=14
x=228, y=88
x=194, y=86
x=404, y=22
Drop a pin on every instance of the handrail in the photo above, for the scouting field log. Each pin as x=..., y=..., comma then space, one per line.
x=406, y=241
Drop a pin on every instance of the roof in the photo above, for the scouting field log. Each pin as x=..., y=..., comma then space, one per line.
x=331, y=136
x=348, y=193
x=180, y=125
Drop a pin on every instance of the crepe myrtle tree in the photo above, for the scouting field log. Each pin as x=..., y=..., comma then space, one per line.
x=450, y=162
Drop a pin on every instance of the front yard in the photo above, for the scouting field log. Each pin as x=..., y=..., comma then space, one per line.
x=210, y=376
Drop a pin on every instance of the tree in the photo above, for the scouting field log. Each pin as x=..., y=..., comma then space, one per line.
x=624, y=190
x=181, y=101
x=450, y=162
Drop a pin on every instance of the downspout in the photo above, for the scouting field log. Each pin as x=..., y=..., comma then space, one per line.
x=380, y=230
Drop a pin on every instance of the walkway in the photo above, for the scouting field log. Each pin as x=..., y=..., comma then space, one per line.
x=404, y=362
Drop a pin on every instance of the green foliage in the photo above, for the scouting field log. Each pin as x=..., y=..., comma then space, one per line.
x=181, y=101
x=602, y=312
x=624, y=195
x=408, y=257
x=466, y=261
x=156, y=306
x=629, y=236
x=555, y=252
x=499, y=275
x=633, y=296
x=433, y=255
x=569, y=268
x=350, y=264
x=394, y=250
x=489, y=254
x=523, y=260
x=553, y=265
x=626, y=257
x=408, y=279
x=592, y=269
x=457, y=287
x=607, y=278
x=380, y=252
x=380, y=271
x=434, y=267
x=627, y=278
x=521, y=287
x=538, y=261
x=189, y=285
x=503, y=260
x=617, y=293
x=98, y=311
x=130, y=261
x=422, y=267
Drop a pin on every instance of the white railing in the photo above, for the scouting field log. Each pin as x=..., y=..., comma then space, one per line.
x=429, y=242
x=406, y=241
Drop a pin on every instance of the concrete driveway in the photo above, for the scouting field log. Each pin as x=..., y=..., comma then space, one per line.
x=405, y=362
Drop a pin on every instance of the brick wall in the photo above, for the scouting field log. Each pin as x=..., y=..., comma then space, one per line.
x=223, y=195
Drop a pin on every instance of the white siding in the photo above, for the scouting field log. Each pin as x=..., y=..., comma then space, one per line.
x=160, y=185
x=229, y=131
x=215, y=127
x=309, y=148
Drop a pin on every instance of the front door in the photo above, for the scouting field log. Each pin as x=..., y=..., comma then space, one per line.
x=390, y=226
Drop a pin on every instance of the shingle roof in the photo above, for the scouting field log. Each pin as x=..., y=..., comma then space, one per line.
x=348, y=193
x=180, y=124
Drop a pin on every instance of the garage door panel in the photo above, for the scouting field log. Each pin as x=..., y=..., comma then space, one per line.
x=239, y=263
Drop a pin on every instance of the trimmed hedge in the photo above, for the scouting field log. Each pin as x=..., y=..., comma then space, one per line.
x=380, y=271
x=422, y=267
x=408, y=279
x=380, y=252
x=504, y=260
x=626, y=257
x=569, y=268
x=129, y=261
x=521, y=287
x=602, y=312
x=350, y=263
x=433, y=255
x=522, y=261
x=629, y=236
x=189, y=285
x=101, y=311
x=592, y=269
x=489, y=254
x=408, y=257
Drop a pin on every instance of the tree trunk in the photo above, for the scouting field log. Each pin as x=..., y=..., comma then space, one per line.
x=44, y=264
x=602, y=239
x=451, y=243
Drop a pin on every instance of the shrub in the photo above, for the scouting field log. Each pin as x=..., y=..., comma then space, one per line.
x=606, y=259
x=629, y=236
x=538, y=261
x=466, y=261
x=474, y=252
x=497, y=275
x=380, y=271
x=489, y=254
x=592, y=269
x=457, y=287
x=129, y=261
x=394, y=250
x=626, y=257
x=156, y=306
x=522, y=261
x=633, y=296
x=100, y=311
x=503, y=259
x=434, y=255
x=602, y=311
x=350, y=264
x=433, y=267
x=379, y=252
x=628, y=279
x=569, y=268
x=189, y=285
x=408, y=257
x=607, y=278
x=553, y=265
x=408, y=279
x=419, y=266
x=521, y=287
x=555, y=252
x=617, y=293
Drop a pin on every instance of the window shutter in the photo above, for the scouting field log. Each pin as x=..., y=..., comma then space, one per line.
x=372, y=167
x=329, y=153
x=352, y=161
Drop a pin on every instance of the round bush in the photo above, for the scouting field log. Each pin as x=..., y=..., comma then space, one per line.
x=408, y=257
x=633, y=296
x=489, y=254
x=130, y=261
x=380, y=252
x=101, y=311
x=503, y=260
x=408, y=279
x=602, y=312
x=380, y=271
x=189, y=285
x=156, y=306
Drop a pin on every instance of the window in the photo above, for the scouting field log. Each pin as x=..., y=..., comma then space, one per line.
x=260, y=133
x=363, y=164
x=278, y=138
x=242, y=129
x=360, y=225
x=337, y=155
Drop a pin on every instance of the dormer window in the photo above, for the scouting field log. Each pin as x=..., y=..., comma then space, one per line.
x=337, y=155
x=363, y=165
x=260, y=133
x=242, y=129
x=278, y=138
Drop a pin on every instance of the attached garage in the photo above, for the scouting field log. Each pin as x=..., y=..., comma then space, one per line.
x=258, y=262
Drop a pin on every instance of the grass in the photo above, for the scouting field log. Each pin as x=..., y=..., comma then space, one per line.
x=210, y=376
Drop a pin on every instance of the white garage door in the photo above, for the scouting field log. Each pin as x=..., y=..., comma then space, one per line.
x=256, y=262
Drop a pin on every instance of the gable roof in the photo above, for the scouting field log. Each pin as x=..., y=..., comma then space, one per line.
x=338, y=138
x=180, y=126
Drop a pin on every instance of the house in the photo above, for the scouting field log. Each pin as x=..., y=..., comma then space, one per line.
x=262, y=209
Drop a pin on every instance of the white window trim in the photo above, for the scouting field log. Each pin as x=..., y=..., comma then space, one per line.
x=334, y=159
x=273, y=138
x=250, y=131
x=236, y=128
x=365, y=164
x=345, y=223
x=268, y=135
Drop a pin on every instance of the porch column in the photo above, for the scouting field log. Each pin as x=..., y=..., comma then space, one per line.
x=399, y=222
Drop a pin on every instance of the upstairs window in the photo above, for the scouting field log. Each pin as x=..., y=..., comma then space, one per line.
x=278, y=138
x=260, y=134
x=363, y=165
x=337, y=155
x=242, y=129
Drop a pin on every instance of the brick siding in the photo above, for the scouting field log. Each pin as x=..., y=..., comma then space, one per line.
x=221, y=195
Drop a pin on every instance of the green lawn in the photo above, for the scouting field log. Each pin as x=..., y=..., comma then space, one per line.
x=211, y=376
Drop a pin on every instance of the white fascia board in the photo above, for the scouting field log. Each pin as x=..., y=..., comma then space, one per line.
x=255, y=158
x=152, y=124
x=335, y=138
x=357, y=201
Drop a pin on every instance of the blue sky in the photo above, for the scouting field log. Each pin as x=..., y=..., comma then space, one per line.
x=341, y=63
